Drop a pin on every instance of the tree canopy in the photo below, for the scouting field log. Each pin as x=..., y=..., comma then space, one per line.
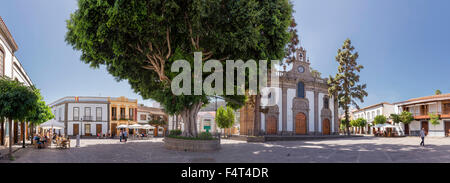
x=225, y=118
x=406, y=117
x=395, y=118
x=380, y=119
x=17, y=101
x=434, y=119
x=139, y=41
x=437, y=92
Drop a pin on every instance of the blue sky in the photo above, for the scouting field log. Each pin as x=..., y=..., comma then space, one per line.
x=403, y=45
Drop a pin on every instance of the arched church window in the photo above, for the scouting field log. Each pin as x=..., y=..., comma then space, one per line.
x=300, y=90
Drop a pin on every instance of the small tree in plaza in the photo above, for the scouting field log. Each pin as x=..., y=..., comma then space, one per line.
x=380, y=119
x=344, y=86
x=17, y=103
x=406, y=117
x=225, y=118
x=221, y=118
x=437, y=92
x=361, y=124
x=434, y=119
x=395, y=118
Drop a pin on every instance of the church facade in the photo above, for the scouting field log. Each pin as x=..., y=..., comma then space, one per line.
x=303, y=105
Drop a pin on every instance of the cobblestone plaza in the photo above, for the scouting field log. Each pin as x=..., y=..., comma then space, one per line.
x=348, y=150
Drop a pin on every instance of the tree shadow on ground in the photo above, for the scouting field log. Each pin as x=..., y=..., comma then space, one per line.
x=356, y=150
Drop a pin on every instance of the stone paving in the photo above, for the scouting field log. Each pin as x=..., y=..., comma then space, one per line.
x=348, y=150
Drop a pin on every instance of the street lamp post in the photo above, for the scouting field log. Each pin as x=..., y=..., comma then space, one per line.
x=81, y=128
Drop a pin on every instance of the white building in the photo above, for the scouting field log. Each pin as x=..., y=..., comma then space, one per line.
x=303, y=106
x=370, y=112
x=10, y=67
x=421, y=108
x=86, y=116
x=145, y=114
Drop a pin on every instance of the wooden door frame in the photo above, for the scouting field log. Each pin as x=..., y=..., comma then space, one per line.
x=329, y=126
x=295, y=124
x=427, y=129
x=267, y=124
x=77, y=129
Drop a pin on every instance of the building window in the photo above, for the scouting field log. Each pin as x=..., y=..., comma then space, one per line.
x=114, y=113
x=373, y=114
x=446, y=109
x=87, y=114
x=300, y=90
x=76, y=114
x=130, y=112
x=143, y=117
x=326, y=102
x=60, y=114
x=122, y=114
x=2, y=63
x=378, y=112
x=99, y=113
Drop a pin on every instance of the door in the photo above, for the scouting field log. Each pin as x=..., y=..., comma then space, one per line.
x=447, y=128
x=326, y=127
x=87, y=130
x=98, y=128
x=271, y=125
x=300, y=124
x=75, y=129
x=406, y=129
x=114, y=129
x=425, y=126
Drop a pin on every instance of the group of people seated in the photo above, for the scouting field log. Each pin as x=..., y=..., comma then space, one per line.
x=43, y=141
x=40, y=141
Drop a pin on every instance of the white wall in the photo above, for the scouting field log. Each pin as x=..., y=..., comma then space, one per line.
x=321, y=95
x=290, y=118
x=310, y=96
x=331, y=103
x=93, y=106
x=263, y=122
x=8, y=58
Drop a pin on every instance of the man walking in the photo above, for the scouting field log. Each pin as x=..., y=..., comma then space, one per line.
x=125, y=135
x=422, y=135
x=121, y=135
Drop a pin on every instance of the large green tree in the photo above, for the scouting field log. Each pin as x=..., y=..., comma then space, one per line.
x=17, y=102
x=344, y=86
x=139, y=41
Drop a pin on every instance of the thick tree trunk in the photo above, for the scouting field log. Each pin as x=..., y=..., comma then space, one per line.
x=176, y=122
x=189, y=116
x=257, y=116
x=23, y=134
x=2, y=132
x=10, y=136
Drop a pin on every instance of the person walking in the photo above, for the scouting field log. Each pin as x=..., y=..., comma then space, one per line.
x=121, y=135
x=422, y=136
x=125, y=135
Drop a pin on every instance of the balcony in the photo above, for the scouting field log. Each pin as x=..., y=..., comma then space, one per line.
x=421, y=117
x=88, y=118
x=123, y=118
